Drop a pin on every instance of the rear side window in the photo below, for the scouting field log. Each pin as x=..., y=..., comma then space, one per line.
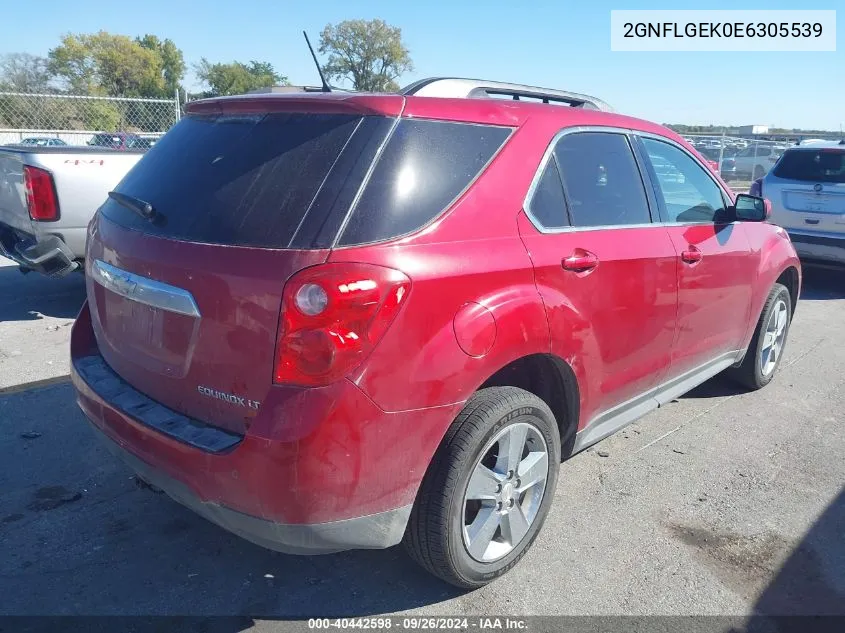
x=602, y=181
x=245, y=180
x=822, y=165
x=423, y=168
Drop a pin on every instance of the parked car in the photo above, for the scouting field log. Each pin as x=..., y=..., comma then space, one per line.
x=47, y=197
x=755, y=161
x=43, y=141
x=806, y=188
x=120, y=140
x=725, y=167
x=334, y=321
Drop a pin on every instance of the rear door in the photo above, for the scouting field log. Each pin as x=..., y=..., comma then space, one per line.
x=607, y=274
x=716, y=269
x=807, y=190
x=185, y=305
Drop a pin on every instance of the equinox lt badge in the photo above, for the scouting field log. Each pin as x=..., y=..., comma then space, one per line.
x=228, y=397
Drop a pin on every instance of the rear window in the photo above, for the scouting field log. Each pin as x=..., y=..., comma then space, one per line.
x=425, y=166
x=245, y=180
x=288, y=180
x=822, y=165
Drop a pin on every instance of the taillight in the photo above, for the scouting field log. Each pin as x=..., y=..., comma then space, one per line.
x=333, y=315
x=40, y=194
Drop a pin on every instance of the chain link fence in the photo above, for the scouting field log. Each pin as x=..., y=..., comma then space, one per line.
x=75, y=119
x=743, y=159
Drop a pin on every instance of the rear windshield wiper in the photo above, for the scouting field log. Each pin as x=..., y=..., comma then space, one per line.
x=141, y=207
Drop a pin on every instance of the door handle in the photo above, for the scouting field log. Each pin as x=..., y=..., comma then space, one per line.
x=692, y=255
x=580, y=261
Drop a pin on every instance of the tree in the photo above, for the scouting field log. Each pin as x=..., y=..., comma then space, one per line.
x=22, y=72
x=370, y=54
x=237, y=78
x=116, y=65
x=173, y=63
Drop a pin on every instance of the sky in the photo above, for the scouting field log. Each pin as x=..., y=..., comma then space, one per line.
x=562, y=44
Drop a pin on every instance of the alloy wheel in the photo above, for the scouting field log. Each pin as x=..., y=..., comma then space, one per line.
x=504, y=492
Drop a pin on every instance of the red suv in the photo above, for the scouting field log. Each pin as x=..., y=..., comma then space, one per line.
x=334, y=321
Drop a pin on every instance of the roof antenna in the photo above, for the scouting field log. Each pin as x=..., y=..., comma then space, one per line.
x=326, y=86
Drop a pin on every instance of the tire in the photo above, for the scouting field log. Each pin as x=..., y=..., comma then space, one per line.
x=435, y=537
x=752, y=372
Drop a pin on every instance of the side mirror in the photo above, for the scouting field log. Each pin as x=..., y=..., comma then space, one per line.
x=752, y=208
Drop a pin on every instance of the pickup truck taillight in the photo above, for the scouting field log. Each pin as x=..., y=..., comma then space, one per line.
x=40, y=194
x=333, y=315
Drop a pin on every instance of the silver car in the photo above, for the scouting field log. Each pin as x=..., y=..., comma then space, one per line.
x=807, y=190
x=755, y=161
x=43, y=141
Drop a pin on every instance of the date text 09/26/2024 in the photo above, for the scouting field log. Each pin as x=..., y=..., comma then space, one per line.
x=478, y=623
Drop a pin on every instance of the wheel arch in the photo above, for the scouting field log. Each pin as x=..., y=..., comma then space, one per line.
x=791, y=278
x=551, y=379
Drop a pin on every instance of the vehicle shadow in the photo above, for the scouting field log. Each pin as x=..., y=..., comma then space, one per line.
x=812, y=580
x=115, y=549
x=717, y=387
x=822, y=283
x=28, y=297
x=808, y=592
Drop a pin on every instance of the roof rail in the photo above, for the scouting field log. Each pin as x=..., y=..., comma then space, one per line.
x=457, y=87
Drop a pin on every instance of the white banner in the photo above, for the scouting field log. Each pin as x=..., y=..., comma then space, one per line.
x=728, y=30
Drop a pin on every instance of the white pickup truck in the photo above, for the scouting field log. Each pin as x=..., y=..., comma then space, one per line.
x=47, y=197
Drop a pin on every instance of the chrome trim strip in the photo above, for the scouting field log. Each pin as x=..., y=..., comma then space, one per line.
x=611, y=227
x=822, y=234
x=143, y=290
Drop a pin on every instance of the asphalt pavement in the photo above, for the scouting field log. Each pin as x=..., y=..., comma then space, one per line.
x=722, y=502
x=36, y=313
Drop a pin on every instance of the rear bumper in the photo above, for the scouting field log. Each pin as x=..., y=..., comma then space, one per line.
x=826, y=248
x=317, y=471
x=48, y=255
x=375, y=531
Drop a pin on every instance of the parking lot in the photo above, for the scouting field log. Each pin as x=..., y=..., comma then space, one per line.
x=722, y=502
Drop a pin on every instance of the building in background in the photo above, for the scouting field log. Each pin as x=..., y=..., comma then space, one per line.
x=753, y=130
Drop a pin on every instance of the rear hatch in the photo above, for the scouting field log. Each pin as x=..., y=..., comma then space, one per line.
x=807, y=190
x=185, y=300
